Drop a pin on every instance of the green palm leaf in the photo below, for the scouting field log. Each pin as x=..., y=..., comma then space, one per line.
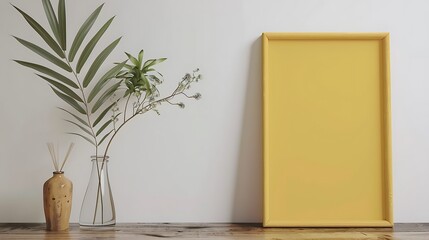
x=77, y=118
x=80, y=135
x=103, y=127
x=98, y=61
x=83, y=31
x=52, y=18
x=105, y=79
x=70, y=101
x=42, y=32
x=79, y=126
x=104, y=138
x=105, y=96
x=91, y=44
x=62, y=88
x=43, y=53
x=62, y=24
x=102, y=114
x=49, y=72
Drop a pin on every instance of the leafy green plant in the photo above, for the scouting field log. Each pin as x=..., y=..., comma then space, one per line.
x=91, y=100
x=139, y=79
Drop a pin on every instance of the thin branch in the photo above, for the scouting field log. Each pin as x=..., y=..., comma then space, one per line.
x=177, y=104
x=150, y=105
x=147, y=107
x=126, y=105
x=144, y=99
x=186, y=95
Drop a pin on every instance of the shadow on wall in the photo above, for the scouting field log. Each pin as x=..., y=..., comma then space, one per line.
x=248, y=187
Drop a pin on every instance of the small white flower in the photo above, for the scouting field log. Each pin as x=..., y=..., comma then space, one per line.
x=197, y=96
x=187, y=77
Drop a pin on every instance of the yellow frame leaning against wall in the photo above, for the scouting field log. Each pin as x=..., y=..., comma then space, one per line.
x=327, y=133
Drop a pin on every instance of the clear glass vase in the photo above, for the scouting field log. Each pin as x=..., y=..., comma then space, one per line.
x=98, y=208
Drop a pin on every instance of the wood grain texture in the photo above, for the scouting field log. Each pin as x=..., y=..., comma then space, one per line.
x=215, y=232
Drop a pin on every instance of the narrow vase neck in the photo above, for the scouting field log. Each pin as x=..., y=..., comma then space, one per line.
x=100, y=158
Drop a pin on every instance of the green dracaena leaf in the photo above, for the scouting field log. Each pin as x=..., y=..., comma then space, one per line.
x=63, y=88
x=153, y=70
x=83, y=31
x=69, y=100
x=127, y=66
x=49, y=72
x=42, y=32
x=151, y=62
x=140, y=58
x=104, y=80
x=133, y=59
x=76, y=117
x=45, y=54
x=98, y=61
x=109, y=92
x=90, y=46
x=154, y=79
x=102, y=114
x=127, y=92
x=146, y=83
x=62, y=24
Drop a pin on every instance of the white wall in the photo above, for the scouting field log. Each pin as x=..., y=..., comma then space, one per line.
x=203, y=163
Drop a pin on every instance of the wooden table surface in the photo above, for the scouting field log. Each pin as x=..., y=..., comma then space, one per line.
x=214, y=231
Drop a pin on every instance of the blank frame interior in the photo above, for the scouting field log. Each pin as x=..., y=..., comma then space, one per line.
x=326, y=112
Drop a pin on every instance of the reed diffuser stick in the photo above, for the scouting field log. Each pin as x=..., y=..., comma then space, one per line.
x=51, y=151
x=67, y=156
x=58, y=155
x=55, y=156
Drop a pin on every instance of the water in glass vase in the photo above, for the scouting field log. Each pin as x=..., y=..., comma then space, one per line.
x=98, y=208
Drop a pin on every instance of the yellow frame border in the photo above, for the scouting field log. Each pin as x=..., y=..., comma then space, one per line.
x=388, y=195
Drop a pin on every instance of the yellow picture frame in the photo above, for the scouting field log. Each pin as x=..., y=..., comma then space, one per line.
x=326, y=130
